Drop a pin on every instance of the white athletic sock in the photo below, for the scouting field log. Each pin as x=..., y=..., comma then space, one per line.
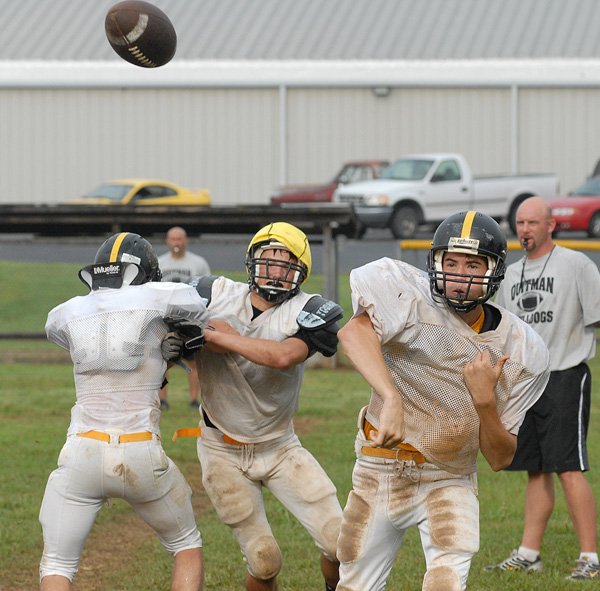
x=528, y=553
x=589, y=556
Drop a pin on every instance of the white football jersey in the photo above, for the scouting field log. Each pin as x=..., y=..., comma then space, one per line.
x=250, y=402
x=114, y=338
x=426, y=346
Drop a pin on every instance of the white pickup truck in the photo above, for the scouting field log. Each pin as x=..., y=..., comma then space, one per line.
x=426, y=188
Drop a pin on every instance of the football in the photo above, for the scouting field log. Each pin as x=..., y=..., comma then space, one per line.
x=140, y=33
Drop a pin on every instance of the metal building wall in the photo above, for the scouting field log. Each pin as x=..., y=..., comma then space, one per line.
x=559, y=132
x=327, y=126
x=57, y=143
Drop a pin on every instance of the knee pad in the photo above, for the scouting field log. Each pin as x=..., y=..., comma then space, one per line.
x=264, y=558
x=442, y=578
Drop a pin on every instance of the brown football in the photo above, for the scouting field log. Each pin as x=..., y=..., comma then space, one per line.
x=141, y=33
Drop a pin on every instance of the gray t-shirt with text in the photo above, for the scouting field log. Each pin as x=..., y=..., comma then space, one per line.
x=559, y=296
x=182, y=269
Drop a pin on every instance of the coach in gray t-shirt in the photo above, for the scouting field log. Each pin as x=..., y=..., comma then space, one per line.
x=180, y=265
x=557, y=291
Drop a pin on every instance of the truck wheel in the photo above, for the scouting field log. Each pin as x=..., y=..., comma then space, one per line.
x=594, y=227
x=405, y=222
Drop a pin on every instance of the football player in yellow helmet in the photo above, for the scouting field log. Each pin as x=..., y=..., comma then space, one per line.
x=251, y=369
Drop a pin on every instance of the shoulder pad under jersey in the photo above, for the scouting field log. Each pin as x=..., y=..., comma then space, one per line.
x=318, y=323
x=203, y=285
x=318, y=313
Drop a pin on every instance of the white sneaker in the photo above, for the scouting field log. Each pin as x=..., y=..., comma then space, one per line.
x=517, y=562
x=585, y=571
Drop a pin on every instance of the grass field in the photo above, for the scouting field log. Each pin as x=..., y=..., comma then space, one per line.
x=123, y=555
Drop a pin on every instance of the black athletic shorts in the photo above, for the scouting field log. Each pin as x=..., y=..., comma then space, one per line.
x=553, y=435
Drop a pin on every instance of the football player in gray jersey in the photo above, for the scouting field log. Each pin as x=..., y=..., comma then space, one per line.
x=451, y=374
x=251, y=369
x=115, y=336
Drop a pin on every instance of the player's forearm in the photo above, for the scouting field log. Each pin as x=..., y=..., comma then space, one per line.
x=362, y=347
x=274, y=354
x=497, y=445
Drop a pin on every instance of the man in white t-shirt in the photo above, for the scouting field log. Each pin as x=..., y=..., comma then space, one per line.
x=179, y=265
x=557, y=291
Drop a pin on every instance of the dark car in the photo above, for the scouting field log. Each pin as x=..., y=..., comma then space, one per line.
x=351, y=172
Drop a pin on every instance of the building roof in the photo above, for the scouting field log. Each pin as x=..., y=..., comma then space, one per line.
x=394, y=30
x=54, y=43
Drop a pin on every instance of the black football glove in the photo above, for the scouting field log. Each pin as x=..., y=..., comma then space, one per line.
x=171, y=347
x=194, y=344
x=184, y=327
x=192, y=334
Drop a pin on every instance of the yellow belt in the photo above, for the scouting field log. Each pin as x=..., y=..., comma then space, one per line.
x=197, y=432
x=403, y=451
x=123, y=438
x=393, y=454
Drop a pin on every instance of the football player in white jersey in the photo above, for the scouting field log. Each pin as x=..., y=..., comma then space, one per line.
x=113, y=449
x=251, y=369
x=451, y=374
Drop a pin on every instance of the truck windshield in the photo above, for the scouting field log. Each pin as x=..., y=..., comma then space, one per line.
x=114, y=192
x=590, y=187
x=408, y=169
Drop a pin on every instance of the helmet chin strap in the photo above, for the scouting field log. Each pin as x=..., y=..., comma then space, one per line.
x=272, y=295
x=462, y=306
x=133, y=275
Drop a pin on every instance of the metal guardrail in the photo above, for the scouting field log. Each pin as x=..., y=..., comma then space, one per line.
x=20, y=336
x=411, y=250
x=512, y=244
x=73, y=220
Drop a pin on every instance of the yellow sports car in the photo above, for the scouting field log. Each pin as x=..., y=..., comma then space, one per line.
x=134, y=192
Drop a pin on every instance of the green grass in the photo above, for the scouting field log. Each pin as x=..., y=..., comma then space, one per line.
x=34, y=405
x=30, y=290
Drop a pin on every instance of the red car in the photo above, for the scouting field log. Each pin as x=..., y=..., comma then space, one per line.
x=351, y=172
x=580, y=210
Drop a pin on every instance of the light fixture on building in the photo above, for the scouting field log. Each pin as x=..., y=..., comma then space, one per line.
x=381, y=91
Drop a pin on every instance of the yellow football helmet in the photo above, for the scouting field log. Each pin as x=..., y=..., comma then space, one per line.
x=279, y=236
